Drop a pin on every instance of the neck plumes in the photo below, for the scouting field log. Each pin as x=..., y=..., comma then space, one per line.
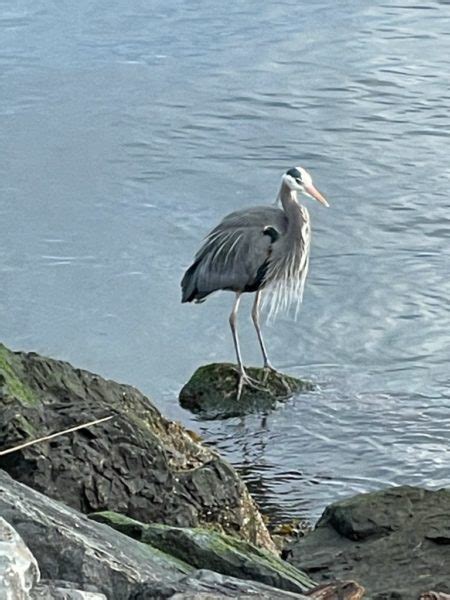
x=288, y=264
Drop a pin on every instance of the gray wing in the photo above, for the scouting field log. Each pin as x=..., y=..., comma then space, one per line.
x=235, y=253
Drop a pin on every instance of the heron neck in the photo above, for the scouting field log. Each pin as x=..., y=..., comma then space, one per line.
x=291, y=207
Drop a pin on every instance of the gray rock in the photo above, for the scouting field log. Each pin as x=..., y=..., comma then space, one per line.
x=19, y=571
x=205, y=549
x=212, y=391
x=51, y=590
x=139, y=463
x=70, y=547
x=395, y=542
x=207, y=585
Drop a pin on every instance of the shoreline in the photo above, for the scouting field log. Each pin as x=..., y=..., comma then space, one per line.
x=178, y=497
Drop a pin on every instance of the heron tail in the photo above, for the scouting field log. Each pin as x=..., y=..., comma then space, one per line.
x=189, y=290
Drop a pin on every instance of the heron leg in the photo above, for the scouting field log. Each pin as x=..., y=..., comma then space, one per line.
x=233, y=325
x=244, y=379
x=255, y=317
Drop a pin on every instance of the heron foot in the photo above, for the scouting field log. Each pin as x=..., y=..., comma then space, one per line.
x=244, y=379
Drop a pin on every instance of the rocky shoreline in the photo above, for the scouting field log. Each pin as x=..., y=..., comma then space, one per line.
x=135, y=507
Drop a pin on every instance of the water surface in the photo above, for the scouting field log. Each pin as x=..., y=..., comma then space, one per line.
x=130, y=128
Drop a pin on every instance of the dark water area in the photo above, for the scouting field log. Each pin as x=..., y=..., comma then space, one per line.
x=130, y=128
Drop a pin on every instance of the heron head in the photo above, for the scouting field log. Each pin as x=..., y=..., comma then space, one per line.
x=298, y=179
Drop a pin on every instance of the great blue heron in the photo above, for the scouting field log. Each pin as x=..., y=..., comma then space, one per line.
x=253, y=249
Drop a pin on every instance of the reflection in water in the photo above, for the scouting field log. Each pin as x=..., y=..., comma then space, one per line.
x=128, y=131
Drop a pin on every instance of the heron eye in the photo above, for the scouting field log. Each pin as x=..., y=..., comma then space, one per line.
x=298, y=180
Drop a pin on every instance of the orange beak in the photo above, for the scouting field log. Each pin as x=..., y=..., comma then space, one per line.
x=314, y=193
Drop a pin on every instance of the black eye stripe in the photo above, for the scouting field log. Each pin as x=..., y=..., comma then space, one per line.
x=295, y=173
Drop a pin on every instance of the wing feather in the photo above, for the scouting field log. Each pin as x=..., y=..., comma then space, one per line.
x=234, y=252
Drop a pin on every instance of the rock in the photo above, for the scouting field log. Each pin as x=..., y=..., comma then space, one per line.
x=395, y=542
x=138, y=463
x=207, y=585
x=103, y=562
x=434, y=596
x=342, y=590
x=19, y=571
x=61, y=590
x=68, y=546
x=212, y=391
x=204, y=549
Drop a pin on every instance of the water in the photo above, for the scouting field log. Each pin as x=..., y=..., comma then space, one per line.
x=130, y=128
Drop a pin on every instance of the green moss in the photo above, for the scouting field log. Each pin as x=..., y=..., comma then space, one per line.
x=121, y=523
x=135, y=529
x=201, y=548
x=205, y=549
x=14, y=386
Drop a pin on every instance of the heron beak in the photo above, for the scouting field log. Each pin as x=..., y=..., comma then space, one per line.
x=314, y=193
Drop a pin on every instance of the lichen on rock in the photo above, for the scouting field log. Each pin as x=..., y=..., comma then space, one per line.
x=212, y=391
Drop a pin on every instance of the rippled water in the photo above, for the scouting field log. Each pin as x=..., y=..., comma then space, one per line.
x=129, y=128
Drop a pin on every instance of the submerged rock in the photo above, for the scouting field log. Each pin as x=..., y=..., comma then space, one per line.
x=204, y=549
x=138, y=463
x=395, y=542
x=212, y=391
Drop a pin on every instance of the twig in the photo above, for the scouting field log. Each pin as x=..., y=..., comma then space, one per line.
x=53, y=435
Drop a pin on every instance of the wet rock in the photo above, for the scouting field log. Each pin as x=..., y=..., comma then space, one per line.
x=394, y=542
x=212, y=391
x=206, y=549
x=138, y=463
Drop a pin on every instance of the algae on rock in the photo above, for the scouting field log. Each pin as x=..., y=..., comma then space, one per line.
x=212, y=390
x=205, y=549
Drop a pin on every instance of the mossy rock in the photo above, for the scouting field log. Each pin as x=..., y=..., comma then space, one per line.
x=206, y=549
x=12, y=385
x=212, y=391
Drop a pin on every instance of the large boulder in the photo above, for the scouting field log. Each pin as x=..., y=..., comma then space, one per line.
x=99, y=560
x=212, y=391
x=138, y=463
x=395, y=542
x=205, y=549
